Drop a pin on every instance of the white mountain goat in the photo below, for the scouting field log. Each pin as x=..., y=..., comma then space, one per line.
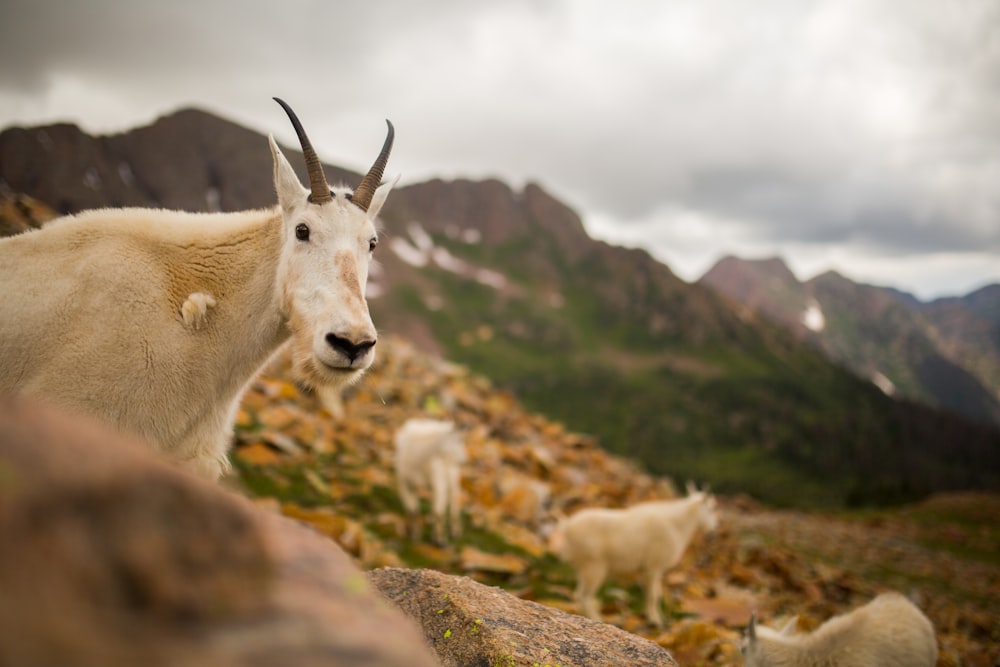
x=648, y=538
x=155, y=321
x=429, y=455
x=889, y=631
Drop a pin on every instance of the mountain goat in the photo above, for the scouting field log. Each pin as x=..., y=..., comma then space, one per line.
x=429, y=454
x=889, y=631
x=648, y=538
x=155, y=321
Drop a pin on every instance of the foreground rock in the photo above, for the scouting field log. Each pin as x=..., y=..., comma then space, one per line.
x=110, y=557
x=468, y=623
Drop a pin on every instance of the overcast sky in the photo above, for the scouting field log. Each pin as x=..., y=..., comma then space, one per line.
x=855, y=135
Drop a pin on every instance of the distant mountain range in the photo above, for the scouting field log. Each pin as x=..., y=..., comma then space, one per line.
x=945, y=353
x=691, y=383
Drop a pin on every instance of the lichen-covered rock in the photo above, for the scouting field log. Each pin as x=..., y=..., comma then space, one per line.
x=468, y=623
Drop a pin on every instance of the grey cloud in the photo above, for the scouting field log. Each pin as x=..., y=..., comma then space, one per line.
x=824, y=122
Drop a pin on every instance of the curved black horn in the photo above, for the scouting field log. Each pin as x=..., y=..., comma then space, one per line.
x=364, y=192
x=317, y=180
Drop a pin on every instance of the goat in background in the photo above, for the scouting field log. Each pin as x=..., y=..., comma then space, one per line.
x=429, y=455
x=889, y=631
x=648, y=538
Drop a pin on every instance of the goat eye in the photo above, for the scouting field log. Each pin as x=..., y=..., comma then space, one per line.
x=372, y=242
x=302, y=231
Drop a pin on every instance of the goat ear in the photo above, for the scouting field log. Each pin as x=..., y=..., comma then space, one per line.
x=381, y=192
x=691, y=487
x=790, y=625
x=752, y=629
x=286, y=183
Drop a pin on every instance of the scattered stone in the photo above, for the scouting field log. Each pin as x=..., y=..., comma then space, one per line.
x=468, y=623
x=111, y=557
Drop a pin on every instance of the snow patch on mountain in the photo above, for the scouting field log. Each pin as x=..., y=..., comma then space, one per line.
x=883, y=383
x=417, y=249
x=812, y=316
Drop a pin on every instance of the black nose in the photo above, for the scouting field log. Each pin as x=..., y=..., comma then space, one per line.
x=347, y=347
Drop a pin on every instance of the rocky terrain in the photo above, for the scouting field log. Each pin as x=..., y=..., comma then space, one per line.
x=111, y=556
x=328, y=463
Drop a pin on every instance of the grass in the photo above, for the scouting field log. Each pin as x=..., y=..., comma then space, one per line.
x=948, y=546
x=964, y=524
x=283, y=483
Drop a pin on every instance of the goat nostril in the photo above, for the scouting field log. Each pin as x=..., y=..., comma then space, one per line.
x=347, y=347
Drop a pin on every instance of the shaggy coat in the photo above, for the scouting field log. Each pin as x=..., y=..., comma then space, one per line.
x=155, y=321
x=648, y=539
x=889, y=631
x=429, y=455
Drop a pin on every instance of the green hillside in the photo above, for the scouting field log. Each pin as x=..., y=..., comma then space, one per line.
x=669, y=374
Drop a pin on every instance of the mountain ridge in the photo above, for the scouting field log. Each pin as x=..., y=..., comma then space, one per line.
x=603, y=338
x=945, y=352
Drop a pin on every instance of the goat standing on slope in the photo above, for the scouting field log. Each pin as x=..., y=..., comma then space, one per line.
x=889, y=631
x=155, y=321
x=429, y=454
x=648, y=538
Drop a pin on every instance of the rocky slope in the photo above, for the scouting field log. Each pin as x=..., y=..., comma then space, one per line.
x=113, y=557
x=329, y=465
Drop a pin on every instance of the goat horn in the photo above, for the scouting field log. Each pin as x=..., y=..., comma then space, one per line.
x=317, y=180
x=364, y=192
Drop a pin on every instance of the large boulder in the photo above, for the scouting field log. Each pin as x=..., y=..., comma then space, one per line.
x=468, y=623
x=109, y=556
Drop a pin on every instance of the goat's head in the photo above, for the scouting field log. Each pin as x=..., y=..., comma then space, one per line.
x=328, y=239
x=750, y=646
x=707, y=506
x=708, y=509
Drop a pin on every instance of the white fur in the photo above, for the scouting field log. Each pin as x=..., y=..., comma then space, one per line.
x=889, y=631
x=429, y=455
x=195, y=309
x=155, y=321
x=648, y=538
